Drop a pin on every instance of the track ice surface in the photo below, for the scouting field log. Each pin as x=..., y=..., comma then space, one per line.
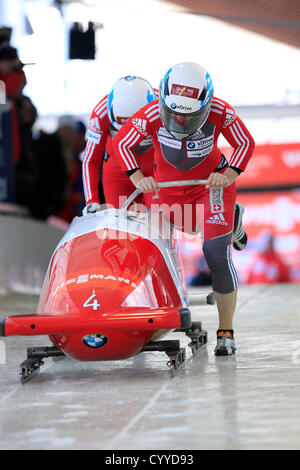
x=248, y=401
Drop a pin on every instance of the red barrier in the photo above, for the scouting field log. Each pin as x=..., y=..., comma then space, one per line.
x=270, y=165
x=274, y=212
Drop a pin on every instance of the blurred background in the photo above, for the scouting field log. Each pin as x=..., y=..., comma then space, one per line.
x=58, y=58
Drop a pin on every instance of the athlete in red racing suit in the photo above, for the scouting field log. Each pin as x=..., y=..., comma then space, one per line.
x=107, y=117
x=182, y=154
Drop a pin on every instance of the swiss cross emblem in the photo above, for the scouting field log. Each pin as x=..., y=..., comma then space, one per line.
x=216, y=200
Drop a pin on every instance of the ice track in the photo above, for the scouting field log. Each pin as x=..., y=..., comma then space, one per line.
x=250, y=401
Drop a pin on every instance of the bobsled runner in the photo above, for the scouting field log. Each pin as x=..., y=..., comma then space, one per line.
x=113, y=289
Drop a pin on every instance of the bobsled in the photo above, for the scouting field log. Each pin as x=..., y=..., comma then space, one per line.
x=114, y=288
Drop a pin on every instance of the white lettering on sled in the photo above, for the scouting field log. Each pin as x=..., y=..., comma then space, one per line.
x=83, y=278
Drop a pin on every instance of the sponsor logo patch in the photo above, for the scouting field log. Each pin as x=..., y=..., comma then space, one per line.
x=187, y=91
x=93, y=136
x=169, y=142
x=181, y=107
x=94, y=132
x=217, y=219
x=94, y=125
x=200, y=147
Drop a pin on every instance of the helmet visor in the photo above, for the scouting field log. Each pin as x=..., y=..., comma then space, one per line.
x=183, y=124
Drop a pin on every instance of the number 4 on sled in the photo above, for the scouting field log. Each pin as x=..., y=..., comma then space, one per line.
x=90, y=303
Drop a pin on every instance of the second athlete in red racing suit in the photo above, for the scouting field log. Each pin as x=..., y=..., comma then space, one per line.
x=127, y=96
x=184, y=125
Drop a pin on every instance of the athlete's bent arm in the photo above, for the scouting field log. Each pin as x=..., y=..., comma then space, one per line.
x=96, y=138
x=132, y=133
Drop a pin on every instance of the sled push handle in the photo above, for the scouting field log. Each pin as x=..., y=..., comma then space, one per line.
x=163, y=184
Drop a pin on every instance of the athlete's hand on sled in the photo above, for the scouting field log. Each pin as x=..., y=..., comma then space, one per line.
x=147, y=185
x=221, y=180
x=91, y=208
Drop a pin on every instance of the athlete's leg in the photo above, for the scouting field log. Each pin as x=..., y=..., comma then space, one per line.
x=218, y=220
x=239, y=236
x=226, y=307
x=213, y=212
x=117, y=188
x=179, y=206
x=217, y=252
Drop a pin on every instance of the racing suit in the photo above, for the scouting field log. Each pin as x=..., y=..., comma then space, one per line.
x=116, y=185
x=195, y=157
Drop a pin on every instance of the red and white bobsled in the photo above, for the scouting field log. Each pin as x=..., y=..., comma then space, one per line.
x=113, y=289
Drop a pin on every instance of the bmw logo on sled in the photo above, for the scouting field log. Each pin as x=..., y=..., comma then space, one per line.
x=94, y=341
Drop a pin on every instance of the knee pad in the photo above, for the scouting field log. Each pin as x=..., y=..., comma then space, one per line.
x=217, y=252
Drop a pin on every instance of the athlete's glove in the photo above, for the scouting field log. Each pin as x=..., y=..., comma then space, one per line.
x=91, y=208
